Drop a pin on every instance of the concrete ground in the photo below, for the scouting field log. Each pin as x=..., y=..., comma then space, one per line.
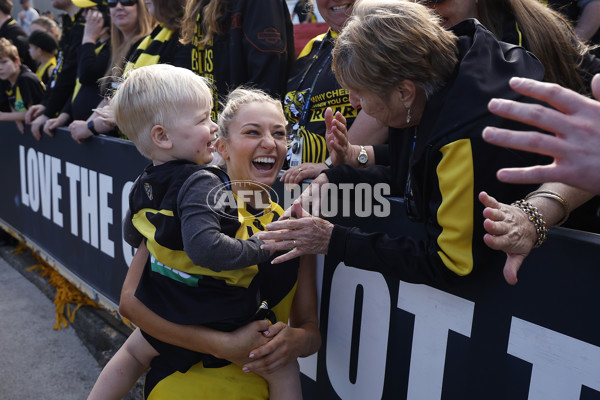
x=39, y=362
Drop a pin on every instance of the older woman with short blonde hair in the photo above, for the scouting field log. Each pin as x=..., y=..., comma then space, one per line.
x=431, y=86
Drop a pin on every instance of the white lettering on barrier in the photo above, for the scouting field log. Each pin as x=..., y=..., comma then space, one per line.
x=561, y=364
x=128, y=251
x=33, y=180
x=89, y=206
x=373, y=330
x=44, y=167
x=40, y=188
x=39, y=183
x=436, y=312
x=57, y=216
x=23, y=176
x=72, y=172
x=107, y=246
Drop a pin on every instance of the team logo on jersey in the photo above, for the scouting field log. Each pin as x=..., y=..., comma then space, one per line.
x=148, y=189
x=292, y=106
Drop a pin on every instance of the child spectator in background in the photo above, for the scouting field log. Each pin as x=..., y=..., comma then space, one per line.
x=19, y=87
x=47, y=25
x=42, y=48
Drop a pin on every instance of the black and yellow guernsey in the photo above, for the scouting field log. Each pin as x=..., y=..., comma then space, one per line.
x=27, y=91
x=175, y=287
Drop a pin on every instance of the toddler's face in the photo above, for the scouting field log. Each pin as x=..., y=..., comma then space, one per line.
x=193, y=135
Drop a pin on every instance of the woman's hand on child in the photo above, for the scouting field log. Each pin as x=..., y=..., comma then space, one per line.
x=281, y=350
x=237, y=345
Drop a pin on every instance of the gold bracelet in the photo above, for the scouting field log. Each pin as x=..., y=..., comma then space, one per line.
x=554, y=196
x=536, y=219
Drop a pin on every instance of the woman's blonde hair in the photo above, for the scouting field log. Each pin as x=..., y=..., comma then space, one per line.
x=120, y=47
x=209, y=25
x=154, y=95
x=545, y=32
x=387, y=41
x=236, y=100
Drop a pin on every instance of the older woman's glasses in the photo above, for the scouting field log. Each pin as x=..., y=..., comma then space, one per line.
x=124, y=3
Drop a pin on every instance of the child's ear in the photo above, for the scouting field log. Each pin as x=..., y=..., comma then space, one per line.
x=221, y=147
x=160, y=138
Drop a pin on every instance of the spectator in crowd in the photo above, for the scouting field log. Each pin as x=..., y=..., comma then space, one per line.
x=48, y=25
x=27, y=15
x=311, y=89
x=571, y=179
x=93, y=58
x=585, y=15
x=19, y=87
x=303, y=10
x=534, y=26
x=527, y=23
x=240, y=43
x=130, y=24
x=63, y=82
x=11, y=30
x=43, y=48
x=411, y=74
x=161, y=46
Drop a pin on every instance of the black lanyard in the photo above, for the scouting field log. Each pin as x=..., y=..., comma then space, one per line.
x=306, y=105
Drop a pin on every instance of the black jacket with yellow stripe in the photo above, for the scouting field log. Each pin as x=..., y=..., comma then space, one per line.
x=448, y=168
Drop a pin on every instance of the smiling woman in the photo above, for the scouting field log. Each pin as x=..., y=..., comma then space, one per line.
x=253, y=144
x=409, y=73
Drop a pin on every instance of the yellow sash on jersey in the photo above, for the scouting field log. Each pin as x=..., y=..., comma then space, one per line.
x=148, y=51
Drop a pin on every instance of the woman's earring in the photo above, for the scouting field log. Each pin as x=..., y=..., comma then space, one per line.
x=408, y=115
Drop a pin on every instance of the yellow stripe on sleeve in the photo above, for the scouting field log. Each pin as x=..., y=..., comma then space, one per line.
x=455, y=214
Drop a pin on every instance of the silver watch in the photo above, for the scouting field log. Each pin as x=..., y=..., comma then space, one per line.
x=363, y=157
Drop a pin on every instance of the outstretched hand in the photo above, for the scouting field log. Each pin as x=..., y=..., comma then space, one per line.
x=509, y=230
x=573, y=120
x=301, y=234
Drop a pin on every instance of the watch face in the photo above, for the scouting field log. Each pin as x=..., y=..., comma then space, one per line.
x=362, y=159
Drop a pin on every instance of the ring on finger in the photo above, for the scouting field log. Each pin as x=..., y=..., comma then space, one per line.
x=300, y=169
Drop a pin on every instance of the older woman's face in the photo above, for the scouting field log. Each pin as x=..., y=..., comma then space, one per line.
x=454, y=11
x=388, y=112
x=335, y=12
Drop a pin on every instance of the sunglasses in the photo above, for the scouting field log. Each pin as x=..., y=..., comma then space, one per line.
x=124, y=3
